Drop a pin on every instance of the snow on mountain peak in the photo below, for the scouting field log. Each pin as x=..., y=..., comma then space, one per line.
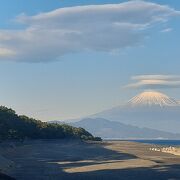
x=150, y=98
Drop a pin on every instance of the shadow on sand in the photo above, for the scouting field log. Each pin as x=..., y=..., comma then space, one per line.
x=169, y=172
x=48, y=160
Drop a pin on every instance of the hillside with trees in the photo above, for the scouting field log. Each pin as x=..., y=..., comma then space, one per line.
x=16, y=127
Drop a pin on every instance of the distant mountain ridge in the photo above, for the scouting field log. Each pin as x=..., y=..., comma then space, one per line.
x=112, y=129
x=151, y=110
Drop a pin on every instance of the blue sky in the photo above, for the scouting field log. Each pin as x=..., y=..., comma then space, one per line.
x=81, y=82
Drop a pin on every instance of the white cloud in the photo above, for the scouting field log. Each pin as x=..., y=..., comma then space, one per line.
x=155, y=82
x=6, y=52
x=166, y=30
x=108, y=28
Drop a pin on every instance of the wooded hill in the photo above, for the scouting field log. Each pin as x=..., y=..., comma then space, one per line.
x=13, y=126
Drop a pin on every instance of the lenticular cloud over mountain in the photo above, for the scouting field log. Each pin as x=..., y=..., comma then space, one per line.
x=155, y=82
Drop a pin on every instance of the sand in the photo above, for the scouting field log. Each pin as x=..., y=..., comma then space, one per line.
x=68, y=159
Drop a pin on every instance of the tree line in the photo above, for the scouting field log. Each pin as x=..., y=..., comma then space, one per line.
x=20, y=127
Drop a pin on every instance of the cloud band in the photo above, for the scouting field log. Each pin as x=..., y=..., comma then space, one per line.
x=107, y=28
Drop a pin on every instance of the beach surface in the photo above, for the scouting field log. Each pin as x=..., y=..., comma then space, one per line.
x=76, y=160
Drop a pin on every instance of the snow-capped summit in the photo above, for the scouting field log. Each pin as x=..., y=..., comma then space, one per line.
x=150, y=98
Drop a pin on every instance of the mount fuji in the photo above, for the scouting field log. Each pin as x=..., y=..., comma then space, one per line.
x=150, y=109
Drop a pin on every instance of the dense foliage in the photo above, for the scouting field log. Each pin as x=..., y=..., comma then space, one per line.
x=13, y=126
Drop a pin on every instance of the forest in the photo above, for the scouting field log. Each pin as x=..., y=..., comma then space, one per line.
x=20, y=127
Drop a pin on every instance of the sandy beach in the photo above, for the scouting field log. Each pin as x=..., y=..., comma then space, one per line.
x=68, y=159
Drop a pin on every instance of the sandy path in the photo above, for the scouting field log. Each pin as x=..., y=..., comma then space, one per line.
x=54, y=160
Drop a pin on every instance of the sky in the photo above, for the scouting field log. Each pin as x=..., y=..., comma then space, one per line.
x=66, y=59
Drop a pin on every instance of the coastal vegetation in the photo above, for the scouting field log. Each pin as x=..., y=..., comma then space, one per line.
x=20, y=127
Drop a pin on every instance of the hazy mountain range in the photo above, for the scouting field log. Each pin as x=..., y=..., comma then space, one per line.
x=150, y=114
x=112, y=129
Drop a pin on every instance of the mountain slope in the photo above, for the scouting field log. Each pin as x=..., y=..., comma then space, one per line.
x=111, y=129
x=151, y=98
x=149, y=109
